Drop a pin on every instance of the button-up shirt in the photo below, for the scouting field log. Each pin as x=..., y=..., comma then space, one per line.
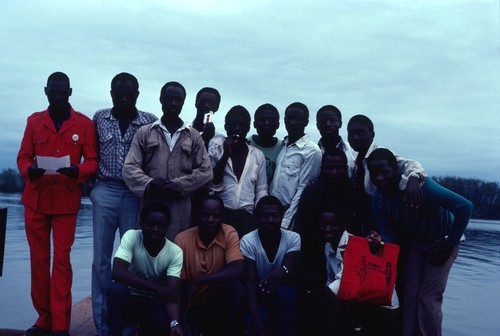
x=113, y=147
x=252, y=185
x=298, y=164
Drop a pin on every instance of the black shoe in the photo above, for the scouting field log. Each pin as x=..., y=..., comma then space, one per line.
x=37, y=331
x=60, y=333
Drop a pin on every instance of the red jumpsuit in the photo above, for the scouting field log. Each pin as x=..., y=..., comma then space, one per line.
x=52, y=203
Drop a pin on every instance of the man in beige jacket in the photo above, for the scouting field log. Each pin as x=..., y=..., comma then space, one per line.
x=169, y=160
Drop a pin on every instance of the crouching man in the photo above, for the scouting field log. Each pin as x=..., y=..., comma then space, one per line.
x=146, y=271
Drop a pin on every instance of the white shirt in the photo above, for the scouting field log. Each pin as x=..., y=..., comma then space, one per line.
x=298, y=164
x=252, y=185
x=171, y=139
x=251, y=247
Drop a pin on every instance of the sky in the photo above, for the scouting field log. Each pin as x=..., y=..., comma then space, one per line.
x=427, y=73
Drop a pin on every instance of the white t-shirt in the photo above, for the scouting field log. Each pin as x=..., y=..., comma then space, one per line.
x=168, y=262
x=251, y=247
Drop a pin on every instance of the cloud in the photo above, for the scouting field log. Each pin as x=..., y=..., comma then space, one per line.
x=426, y=72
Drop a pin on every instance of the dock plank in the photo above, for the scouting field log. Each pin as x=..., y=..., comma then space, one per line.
x=82, y=322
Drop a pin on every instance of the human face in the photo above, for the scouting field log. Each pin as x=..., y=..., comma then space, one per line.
x=295, y=123
x=269, y=218
x=360, y=137
x=236, y=125
x=266, y=123
x=154, y=228
x=58, y=93
x=330, y=227
x=211, y=218
x=334, y=169
x=172, y=100
x=206, y=102
x=328, y=124
x=382, y=175
x=124, y=96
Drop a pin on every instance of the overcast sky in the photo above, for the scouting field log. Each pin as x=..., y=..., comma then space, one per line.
x=426, y=72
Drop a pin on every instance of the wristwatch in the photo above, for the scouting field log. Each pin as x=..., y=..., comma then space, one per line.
x=174, y=323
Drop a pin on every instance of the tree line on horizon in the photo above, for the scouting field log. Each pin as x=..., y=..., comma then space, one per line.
x=484, y=195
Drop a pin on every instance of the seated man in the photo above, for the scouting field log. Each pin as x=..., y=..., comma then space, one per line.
x=212, y=267
x=146, y=271
x=239, y=171
x=271, y=256
x=326, y=314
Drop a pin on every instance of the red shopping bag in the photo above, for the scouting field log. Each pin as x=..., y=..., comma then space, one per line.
x=368, y=277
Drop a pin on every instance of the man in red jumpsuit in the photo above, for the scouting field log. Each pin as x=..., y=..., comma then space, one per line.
x=52, y=198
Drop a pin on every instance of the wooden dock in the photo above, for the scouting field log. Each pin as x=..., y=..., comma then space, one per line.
x=82, y=322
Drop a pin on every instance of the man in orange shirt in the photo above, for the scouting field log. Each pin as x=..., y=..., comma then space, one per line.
x=52, y=199
x=211, y=269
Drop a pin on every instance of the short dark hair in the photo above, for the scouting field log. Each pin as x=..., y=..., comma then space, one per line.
x=58, y=77
x=214, y=198
x=155, y=206
x=363, y=120
x=123, y=77
x=383, y=154
x=299, y=105
x=334, y=152
x=266, y=107
x=330, y=108
x=268, y=200
x=238, y=110
x=174, y=84
x=212, y=91
x=341, y=213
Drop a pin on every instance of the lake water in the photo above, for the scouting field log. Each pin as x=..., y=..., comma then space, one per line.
x=471, y=304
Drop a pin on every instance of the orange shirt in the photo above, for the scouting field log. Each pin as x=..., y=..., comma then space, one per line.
x=200, y=260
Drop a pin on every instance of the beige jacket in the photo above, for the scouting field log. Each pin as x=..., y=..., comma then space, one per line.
x=187, y=165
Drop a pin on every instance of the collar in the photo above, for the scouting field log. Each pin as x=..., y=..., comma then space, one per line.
x=158, y=123
x=218, y=240
x=299, y=143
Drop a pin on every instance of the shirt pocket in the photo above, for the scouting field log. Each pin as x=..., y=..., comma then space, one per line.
x=40, y=141
x=106, y=144
x=186, y=164
x=291, y=167
x=151, y=156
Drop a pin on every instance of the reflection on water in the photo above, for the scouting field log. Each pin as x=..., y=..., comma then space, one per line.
x=471, y=302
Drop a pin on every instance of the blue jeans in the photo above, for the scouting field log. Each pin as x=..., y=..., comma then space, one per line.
x=114, y=207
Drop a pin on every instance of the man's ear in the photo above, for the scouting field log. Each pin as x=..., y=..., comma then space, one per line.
x=45, y=90
x=70, y=91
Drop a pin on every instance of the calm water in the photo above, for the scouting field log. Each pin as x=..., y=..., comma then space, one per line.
x=471, y=305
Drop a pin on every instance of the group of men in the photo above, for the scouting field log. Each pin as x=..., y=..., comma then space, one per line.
x=223, y=233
